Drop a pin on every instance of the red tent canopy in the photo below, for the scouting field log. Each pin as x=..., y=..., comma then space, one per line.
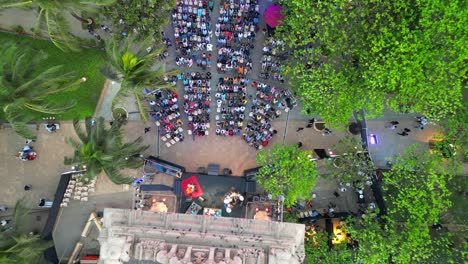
x=273, y=16
x=190, y=187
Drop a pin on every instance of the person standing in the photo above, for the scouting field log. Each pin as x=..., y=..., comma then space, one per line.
x=326, y=131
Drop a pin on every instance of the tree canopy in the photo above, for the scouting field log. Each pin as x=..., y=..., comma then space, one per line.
x=103, y=149
x=16, y=245
x=286, y=170
x=318, y=251
x=352, y=165
x=51, y=17
x=416, y=195
x=135, y=67
x=24, y=89
x=351, y=55
x=146, y=19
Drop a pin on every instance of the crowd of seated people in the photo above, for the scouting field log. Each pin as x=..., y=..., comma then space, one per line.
x=231, y=100
x=273, y=56
x=192, y=32
x=267, y=105
x=237, y=60
x=164, y=111
x=237, y=22
x=197, y=101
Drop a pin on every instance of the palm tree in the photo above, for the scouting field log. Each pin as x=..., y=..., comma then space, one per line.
x=25, y=88
x=134, y=70
x=51, y=16
x=103, y=149
x=16, y=246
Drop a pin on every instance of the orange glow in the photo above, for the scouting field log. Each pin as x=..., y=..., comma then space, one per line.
x=154, y=200
x=164, y=200
x=339, y=235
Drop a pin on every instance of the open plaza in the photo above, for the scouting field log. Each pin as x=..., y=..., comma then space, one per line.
x=210, y=161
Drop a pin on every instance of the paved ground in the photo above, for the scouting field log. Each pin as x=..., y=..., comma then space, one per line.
x=230, y=152
x=390, y=143
x=72, y=219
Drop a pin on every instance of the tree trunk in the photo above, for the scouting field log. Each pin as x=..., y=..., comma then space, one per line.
x=79, y=18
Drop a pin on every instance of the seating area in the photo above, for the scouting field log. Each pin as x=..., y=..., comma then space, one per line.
x=273, y=56
x=78, y=189
x=166, y=115
x=197, y=100
x=237, y=22
x=231, y=99
x=192, y=31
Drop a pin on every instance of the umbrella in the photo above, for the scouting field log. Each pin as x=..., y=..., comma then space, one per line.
x=273, y=16
x=192, y=192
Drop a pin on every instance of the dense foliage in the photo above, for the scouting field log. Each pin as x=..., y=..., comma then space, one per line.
x=145, y=19
x=51, y=17
x=288, y=171
x=26, y=88
x=352, y=165
x=16, y=245
x=318, y=251
x=416, y=194
x=133, y=68
x=103, y=149
x=351, y=55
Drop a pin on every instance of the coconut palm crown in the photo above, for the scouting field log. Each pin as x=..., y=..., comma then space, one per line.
x=135, y=68
x=51, y=16
x=103, y=149
x=16, y=245
x=24, y=88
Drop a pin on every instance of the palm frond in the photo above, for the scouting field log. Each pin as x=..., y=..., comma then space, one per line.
x=104, y=149
x=49, y=108
x=79, y=131
x=18, y=120
x=14, y=4
x=121, y=94
x=141, y=108
x=108, y=71
x=59, y=31
x=20, y=216
x=116, y=177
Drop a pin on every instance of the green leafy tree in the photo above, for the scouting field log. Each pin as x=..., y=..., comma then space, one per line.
x=103, y=149
x=51, y=17
x=16, y=245
x=146, y=19
x=353, y=163
x=317, y=250
x=25, y=88
x=351, y=55
x=135, y=69
x=452, y=142
x=416, y=195
x=288, y=171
